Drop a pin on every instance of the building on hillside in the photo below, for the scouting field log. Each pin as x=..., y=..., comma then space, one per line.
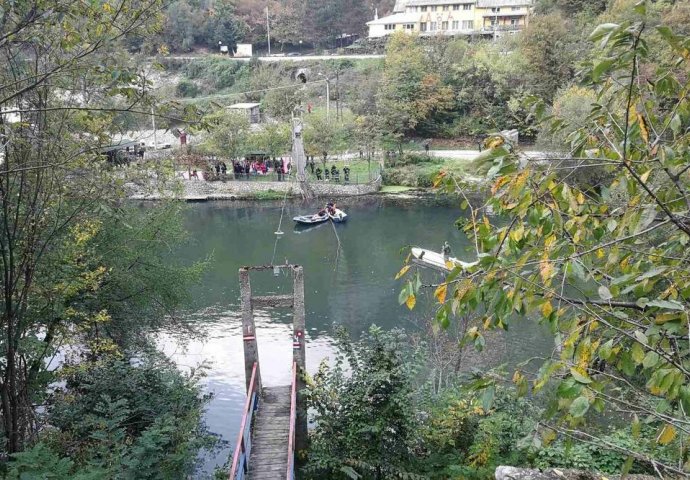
x=252, y=110
x=496, y=16
x=453, y=17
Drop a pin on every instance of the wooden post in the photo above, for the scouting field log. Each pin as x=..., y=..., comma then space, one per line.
x=251, y=348
x=299, y=356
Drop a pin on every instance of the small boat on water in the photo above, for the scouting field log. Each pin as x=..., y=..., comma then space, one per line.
x=312, y=219
x=436, y=260
x=337, y=215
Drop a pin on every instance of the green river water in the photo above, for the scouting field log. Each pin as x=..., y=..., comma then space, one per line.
x=354, y=288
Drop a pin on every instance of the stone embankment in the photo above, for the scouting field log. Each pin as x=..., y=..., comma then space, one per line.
x=199, y=190
x=513, y=473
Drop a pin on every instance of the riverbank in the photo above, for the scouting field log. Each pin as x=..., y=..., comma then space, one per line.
x=200, y=190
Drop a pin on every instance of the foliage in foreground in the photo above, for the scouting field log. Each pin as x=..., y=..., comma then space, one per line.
x=118, y=419
x=605, y=267
x=377, y=416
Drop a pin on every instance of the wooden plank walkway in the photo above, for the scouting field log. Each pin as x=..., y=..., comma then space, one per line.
x=269, y=457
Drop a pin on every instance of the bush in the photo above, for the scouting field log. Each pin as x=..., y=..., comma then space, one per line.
x=114, y=419
x=187, y=89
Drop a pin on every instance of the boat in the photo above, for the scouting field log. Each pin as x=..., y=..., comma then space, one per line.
x=436, y=260
x=338, y=216
x=312, y=219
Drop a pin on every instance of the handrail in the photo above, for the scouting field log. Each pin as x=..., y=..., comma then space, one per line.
x=240, y=460
x=290, y=474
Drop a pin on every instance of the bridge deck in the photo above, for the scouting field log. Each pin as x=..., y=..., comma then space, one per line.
x=269, y=458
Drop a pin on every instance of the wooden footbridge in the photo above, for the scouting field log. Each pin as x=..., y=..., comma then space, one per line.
x=274, y=422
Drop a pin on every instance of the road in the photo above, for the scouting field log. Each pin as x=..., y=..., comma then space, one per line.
x=274, y=58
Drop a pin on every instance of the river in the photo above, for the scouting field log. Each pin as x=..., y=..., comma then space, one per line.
x=354, y=287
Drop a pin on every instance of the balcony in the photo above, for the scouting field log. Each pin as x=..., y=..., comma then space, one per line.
x=501, y=28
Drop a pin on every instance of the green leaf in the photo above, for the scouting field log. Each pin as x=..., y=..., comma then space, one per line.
x=350, y=472
x=637, y=353
x=579, y=407
x=651, y=273
x=650, y=360
x=601, y=68
x=667, y=304
x=580, y=377
x=488, y=398
x=605, y=293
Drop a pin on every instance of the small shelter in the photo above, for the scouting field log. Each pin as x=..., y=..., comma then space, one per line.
x=250, y=109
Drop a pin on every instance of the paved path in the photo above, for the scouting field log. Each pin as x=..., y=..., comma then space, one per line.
x=275, y=58
x=270, y=435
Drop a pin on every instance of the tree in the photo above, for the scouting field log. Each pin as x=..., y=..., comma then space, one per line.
x=605, y=268
x=365, y=422
x=547, y=46
x=324, y=136
x=62, y=282
x=229, y=135
x=274, y=139
x=409, y=93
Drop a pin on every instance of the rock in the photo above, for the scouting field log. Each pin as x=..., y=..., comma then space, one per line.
x=514, y=473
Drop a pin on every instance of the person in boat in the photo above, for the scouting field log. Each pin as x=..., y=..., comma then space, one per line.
x=322, y=212
x=445, y=250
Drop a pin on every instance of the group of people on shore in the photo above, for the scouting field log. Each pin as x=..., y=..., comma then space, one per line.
x=332, y=174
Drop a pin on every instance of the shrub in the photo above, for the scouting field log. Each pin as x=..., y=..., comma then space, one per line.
x=187, y=89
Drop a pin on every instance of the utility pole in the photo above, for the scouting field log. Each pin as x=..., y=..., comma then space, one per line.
x=268, y=31
x=328, y=100
x=153, y=124
x=338, y=111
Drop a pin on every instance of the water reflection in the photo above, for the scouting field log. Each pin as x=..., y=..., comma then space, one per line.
x=354, y=288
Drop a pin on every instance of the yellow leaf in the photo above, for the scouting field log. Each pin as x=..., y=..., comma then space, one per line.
x=580, y=198
x=441, y=292
x=667, y=435
x=402, y=272
x=546, y=270
x=547, y=308
x=645, y=176
x=643, y=128
x=411, y=301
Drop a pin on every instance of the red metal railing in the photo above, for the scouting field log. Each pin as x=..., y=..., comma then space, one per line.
x=290, y=475
x=240, y=460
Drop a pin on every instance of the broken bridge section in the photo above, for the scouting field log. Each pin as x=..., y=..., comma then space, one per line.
x=274, y=424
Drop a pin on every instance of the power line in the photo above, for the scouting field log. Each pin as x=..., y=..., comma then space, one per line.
x=223, y=95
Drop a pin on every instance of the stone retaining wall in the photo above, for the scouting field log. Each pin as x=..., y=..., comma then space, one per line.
x=199, y=190
x=513, y=473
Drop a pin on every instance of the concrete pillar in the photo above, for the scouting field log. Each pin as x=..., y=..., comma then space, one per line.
x=299, y=356
x=251, y=348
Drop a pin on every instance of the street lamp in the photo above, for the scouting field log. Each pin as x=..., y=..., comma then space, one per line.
x=300, y=47
x=328, y=96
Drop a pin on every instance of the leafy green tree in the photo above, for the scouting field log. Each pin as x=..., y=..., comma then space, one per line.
x=365, y=421
x=606, y=268
x=548, y=46
x=229, y=135
x=409, y=93
x=64, y=284
x=116, y=420
x=275, y=139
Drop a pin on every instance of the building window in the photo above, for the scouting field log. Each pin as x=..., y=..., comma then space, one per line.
x=444, y=25
x=423, y=8
x=389, y=26
x=434, y=8
x=409, y=26
x=456, y=24
x=516, y=8
x=468, y=24
x=433, y=26
x=496, y=10
x=445, y=8
x=422, y=27
x=514, y=21
x=456, y=7
x=467, y=6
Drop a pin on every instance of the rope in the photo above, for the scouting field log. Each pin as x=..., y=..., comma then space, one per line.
x=279, y=232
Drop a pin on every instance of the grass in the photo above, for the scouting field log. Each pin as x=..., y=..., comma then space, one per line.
x=395, y=189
